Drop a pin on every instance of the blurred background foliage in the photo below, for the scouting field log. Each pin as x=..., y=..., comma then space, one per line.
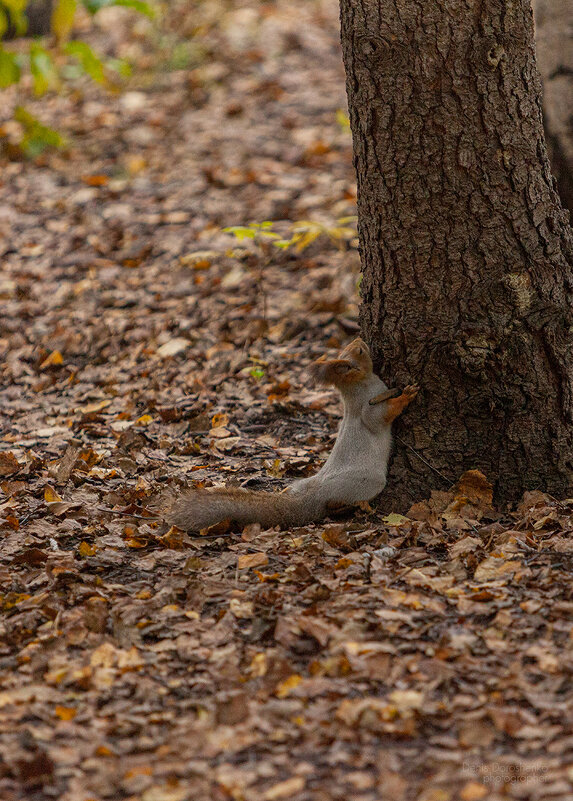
x=41, y=46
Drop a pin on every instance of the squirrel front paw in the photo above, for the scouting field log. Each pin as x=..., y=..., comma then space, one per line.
x=397, y=405
x=411, y=391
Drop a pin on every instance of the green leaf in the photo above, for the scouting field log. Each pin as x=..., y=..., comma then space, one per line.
x=9, y=68
x=13, y=12
x=63, y=17
x=138, y=5
x=119, y=65
x=3, y=22
x=42, y=68
x=15, y=6
x=90, y=63
x=37, y=137
x=342, y=119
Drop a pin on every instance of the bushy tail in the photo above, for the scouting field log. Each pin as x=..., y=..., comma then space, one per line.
x=200, y=508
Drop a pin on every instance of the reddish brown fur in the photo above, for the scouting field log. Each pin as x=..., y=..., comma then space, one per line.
x=353, y=364
x=397, y=405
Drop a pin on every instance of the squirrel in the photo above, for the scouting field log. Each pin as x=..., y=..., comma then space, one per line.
x=354, y=472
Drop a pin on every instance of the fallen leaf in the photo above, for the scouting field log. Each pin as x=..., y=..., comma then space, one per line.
x=55, y=359
x=8, y=463
x=248, y=560
x=66, y=712
x=172, y=347
x=284, y=688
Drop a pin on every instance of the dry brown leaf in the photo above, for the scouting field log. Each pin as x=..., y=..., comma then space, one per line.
x=495, y=567
x=248, y=560
x=8, y=464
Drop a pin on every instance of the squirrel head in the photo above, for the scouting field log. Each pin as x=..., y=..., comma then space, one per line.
x=353, y=364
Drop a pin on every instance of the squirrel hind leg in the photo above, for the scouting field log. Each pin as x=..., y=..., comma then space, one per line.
x=395, y=406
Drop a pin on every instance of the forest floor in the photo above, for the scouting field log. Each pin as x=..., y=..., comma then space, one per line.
x=142, y=348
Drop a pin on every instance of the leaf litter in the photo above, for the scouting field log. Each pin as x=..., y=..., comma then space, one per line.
x=425, y=655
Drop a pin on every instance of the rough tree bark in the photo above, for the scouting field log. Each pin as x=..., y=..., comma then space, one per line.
x=554, y=46
x=467, y=253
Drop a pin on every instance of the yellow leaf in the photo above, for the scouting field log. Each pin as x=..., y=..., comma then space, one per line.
x=259, y=665
x=51, y=496
x=86, y=549
x=284, y=688
x=13, y=599
x=63, y=19
x=170, y=608
x=144, y=420
x=53, y=360
x=66, y=712
x=395, y=519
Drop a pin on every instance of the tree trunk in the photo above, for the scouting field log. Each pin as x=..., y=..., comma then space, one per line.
x=38, y=15
x=467, y=253
x=554, y=45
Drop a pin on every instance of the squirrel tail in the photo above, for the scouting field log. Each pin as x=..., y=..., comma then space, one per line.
x=199, y=508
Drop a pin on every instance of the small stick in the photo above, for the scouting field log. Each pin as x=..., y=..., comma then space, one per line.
x=128, y=514
x=390, y=393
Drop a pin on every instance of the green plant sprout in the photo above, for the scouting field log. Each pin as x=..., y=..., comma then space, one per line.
x=302, y=233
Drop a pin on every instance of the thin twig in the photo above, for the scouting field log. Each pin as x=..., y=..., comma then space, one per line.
x=128, y=514
x=448, y=480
